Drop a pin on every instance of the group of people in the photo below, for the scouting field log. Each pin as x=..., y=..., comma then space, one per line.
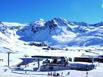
x=57, y=74
x=61, y=61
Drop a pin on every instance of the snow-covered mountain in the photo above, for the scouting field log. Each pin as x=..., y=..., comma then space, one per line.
x=62, y=32
x=8, y=37
x=55, y=32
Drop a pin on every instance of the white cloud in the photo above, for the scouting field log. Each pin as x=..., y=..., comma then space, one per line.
x=102, y=5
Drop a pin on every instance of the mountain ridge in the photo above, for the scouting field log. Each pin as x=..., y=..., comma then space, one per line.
x=56, y=32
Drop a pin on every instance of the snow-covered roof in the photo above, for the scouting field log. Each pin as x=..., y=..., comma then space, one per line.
x=58, y=53
x=90, y=54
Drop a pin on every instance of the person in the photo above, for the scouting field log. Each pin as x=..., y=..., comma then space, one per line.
x=56, y=74
x=47, y=61
x=50, y=74
x=68, y=73
x=86, y=73
x=62, y=74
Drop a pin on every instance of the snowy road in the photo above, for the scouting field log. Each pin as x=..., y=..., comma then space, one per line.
x=73, y=73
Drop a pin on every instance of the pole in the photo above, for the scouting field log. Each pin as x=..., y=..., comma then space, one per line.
x=38, y=63
x=8, y=58
x=92, y=60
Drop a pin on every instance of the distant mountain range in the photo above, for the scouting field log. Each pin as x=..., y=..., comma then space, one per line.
x=55, y=32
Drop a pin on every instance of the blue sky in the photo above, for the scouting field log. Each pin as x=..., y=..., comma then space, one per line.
x=25, y=11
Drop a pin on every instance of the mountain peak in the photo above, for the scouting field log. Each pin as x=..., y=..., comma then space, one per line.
x=97, y=24
x=38, y=23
